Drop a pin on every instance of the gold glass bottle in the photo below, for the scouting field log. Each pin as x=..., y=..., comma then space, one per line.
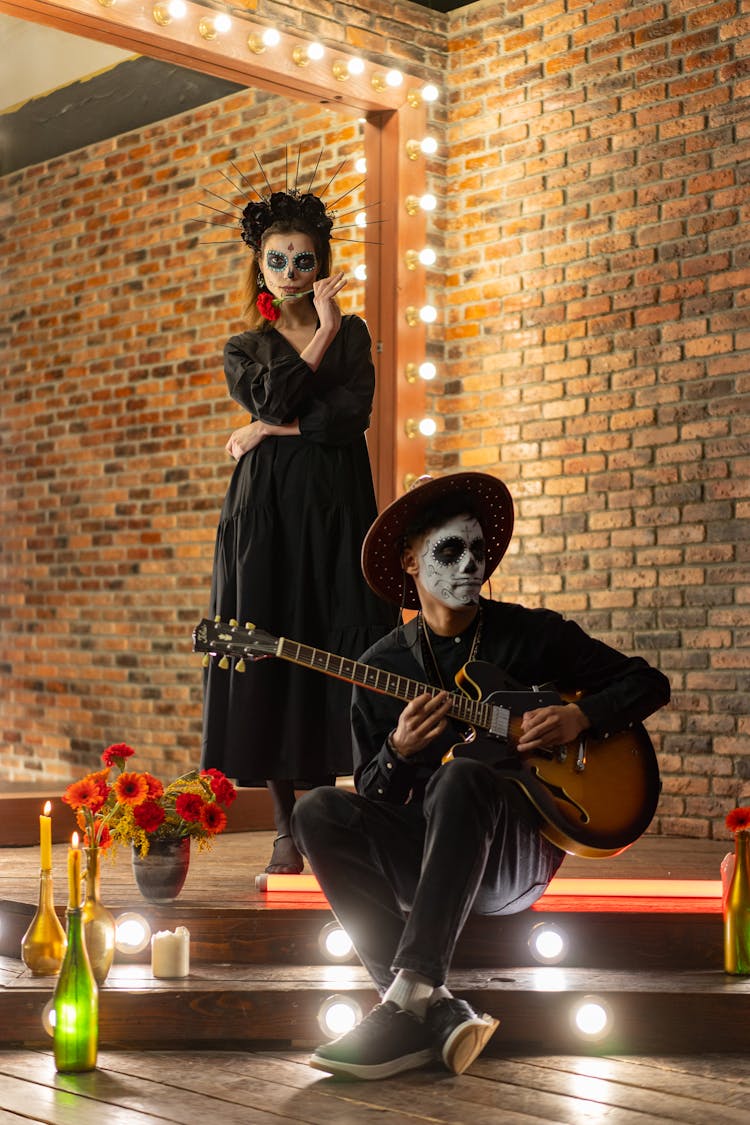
x=737, y=910
x=43, y=944
x=98, y=922
x=76, y=1004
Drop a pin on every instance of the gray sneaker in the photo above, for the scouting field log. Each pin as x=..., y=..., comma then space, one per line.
x=387, y=1041
x=459, y=1034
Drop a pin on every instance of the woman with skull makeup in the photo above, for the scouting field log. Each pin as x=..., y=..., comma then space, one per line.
x=296, y=511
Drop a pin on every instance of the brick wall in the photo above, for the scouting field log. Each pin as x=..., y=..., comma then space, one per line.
x=597, y=340
x=114, y=418
x=593, y=346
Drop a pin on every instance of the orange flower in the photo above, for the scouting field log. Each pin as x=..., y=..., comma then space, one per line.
x=155, y=787
x=86, y=793
x=131, y=788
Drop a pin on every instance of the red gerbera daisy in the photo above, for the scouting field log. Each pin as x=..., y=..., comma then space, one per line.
x=738, y=820
x=189, y=806
x=213, y=819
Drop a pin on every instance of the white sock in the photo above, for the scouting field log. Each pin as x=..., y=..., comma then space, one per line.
x=440, y=993
x=410, y=991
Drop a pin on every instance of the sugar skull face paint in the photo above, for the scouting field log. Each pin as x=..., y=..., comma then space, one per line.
x=451, y=562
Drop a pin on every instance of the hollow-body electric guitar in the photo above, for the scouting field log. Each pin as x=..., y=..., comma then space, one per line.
x=595, y=797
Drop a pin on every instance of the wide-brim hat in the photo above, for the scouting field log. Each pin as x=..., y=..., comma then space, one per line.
x=384, y=542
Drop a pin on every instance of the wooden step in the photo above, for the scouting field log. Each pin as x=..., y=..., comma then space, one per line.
x=230, y=1005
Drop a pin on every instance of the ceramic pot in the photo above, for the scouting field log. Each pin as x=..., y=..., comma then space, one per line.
x=160, y=875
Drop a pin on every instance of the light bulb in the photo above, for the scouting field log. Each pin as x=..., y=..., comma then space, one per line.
x=360, y=272
x=356, y=66
x=394, y=78
x=430, y=93
x=427, y=257
x=428, y=314
x=427, y=370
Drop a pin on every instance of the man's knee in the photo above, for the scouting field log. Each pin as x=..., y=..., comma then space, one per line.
x=317, y=808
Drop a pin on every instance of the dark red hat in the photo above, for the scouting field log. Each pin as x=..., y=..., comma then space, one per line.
x=384, y=542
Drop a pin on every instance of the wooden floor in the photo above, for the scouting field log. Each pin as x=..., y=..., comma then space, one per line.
x=272, y=1083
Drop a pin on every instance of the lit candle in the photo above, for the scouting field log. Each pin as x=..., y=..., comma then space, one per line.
x=74, y=873
x=45, y=837
x=170, y=953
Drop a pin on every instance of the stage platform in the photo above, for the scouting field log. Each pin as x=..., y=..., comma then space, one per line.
x=643, y=932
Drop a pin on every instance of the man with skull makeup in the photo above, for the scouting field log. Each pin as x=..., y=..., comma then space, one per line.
x=420, y=844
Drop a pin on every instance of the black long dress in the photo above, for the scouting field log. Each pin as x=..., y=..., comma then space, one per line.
x=287, y=558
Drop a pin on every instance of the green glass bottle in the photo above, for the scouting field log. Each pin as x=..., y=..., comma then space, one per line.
x=76, y=1004
x=737, y=911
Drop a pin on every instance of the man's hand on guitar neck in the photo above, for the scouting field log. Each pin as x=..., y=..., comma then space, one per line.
x=547, y=727
x=421, y=721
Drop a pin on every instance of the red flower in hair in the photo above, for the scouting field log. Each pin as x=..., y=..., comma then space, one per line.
x=266, y=307
x=738, y=820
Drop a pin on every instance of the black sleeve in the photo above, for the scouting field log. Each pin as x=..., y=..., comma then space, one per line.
x=275, y=385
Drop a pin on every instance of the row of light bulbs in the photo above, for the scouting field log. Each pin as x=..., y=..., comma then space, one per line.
x=220, y=23
x=214, y=24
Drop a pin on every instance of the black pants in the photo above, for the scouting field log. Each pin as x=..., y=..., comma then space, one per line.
x=401, y=879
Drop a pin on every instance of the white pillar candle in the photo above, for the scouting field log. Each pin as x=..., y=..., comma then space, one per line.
x=170, y=953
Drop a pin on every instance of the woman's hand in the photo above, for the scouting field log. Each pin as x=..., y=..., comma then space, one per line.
x=325, y=292
x=421, y=721
x=551, y=726
x=246, y=438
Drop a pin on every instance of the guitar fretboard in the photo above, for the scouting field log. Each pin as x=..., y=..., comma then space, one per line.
x=466, y=710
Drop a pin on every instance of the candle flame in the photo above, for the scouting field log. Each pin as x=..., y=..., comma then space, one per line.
x=74, y=840
x=47, y=808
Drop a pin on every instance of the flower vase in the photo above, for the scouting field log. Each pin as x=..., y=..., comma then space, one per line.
x=160, y=874
x=43, y=944
x=98, y=921
x=737, y=910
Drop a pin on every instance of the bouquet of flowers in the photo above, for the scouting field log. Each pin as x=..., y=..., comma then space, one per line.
x=136, y=808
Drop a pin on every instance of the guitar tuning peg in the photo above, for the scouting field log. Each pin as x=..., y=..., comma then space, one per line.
x=233, y=621
x=249, y=625
x=224, y=663
x=206, y=660
x=240, y=666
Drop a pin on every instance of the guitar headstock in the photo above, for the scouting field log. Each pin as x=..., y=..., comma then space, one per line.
x=224, y=639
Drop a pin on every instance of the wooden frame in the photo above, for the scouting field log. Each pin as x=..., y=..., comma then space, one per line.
x=394, y=115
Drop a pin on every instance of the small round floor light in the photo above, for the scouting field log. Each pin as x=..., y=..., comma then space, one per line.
x=592, y=1018
x=132, y=933
x=48, y=1017
x=548, y=944
x=335, y=943
x=338, y=1015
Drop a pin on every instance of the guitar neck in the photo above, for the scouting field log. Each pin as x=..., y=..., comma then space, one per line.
x=463, y=708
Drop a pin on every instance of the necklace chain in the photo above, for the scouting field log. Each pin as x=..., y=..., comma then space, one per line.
x=428, y=655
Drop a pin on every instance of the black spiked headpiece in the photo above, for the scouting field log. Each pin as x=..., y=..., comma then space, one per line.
x=284, y=206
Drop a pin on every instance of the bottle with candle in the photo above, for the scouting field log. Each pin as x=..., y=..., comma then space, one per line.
x=737, y=910
x=76, y=999
x=43, y=944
